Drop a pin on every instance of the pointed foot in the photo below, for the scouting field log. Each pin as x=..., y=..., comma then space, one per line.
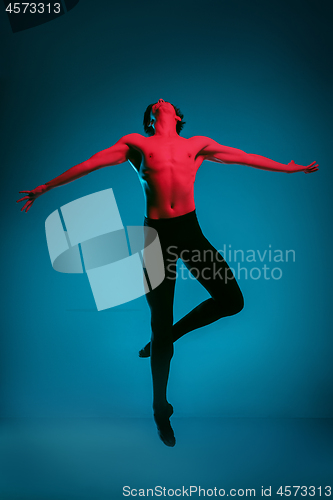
x=163, y=425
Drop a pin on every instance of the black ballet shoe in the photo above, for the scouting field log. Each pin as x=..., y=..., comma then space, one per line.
x=164, y=429
x=145, y=352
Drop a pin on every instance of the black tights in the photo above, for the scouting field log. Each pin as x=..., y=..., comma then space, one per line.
x=181, y=237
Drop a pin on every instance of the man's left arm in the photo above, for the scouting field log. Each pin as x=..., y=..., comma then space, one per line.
x=213, y=151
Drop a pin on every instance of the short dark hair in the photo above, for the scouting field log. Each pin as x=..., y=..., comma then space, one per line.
x=150, y=130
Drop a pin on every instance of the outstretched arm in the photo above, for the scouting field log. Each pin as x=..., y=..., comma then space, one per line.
x=114, y=155
x=214, y=151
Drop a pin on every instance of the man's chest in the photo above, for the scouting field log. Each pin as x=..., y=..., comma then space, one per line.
x=162, y=154
x=166, y=153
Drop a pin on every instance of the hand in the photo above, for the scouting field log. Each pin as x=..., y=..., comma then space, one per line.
x=32, y=195
x=313, y=167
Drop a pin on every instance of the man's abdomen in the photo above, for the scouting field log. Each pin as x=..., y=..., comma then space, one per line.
x=167, y=200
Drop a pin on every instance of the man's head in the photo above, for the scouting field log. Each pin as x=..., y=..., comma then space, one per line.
x=152, y=112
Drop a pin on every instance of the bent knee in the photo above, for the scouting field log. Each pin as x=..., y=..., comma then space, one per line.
x=239, y=304
x=232, y=305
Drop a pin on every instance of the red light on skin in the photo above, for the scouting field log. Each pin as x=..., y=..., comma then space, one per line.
x=164, y=105
x=158, y=104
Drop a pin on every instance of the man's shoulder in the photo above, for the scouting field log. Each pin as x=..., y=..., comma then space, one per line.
x=133, y=140
x=132, y=137
x=200, y=138
x=201, y=141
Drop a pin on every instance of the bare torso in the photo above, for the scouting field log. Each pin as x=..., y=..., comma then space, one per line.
x=166, y=167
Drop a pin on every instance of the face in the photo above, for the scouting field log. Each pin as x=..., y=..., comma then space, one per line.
x=165, y=106
x=161, y=103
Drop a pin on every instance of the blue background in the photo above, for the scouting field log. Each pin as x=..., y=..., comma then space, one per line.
x=251, y=75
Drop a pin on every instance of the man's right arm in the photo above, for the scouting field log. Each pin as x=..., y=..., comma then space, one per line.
x=116, y=154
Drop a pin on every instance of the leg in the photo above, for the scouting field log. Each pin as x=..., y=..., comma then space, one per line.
x=214, y=274
x=160, y=301
x=212, y=271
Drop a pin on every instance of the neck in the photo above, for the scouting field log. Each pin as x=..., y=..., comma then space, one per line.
x=165, y=126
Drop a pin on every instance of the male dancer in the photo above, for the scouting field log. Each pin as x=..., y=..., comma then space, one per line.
x=167, y=165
